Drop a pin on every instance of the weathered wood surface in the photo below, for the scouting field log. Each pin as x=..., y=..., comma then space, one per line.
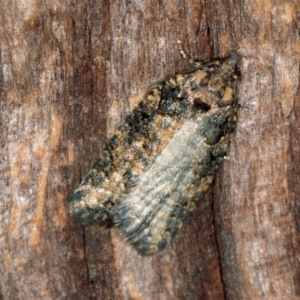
x=71, y=72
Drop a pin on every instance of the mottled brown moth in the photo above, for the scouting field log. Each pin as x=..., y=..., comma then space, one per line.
x=160, y=162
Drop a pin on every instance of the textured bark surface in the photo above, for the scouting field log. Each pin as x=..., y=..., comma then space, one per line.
x=71, y=72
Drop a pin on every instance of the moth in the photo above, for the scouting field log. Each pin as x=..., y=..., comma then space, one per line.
x=161, y=161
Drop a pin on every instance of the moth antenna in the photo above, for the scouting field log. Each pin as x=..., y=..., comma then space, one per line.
x=197, y=64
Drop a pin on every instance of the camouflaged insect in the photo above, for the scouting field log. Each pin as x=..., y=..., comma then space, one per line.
x=160, y=162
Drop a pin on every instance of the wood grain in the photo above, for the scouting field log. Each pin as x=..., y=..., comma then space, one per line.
x=71, y=72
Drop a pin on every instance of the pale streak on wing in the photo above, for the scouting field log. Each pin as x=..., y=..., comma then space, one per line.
x=145, y=213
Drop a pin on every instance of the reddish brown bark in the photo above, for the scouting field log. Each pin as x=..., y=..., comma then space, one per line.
x=71, y=72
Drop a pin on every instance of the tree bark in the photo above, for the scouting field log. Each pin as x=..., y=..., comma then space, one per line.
x=71, y=72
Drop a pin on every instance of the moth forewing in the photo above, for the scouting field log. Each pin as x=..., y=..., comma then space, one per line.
x=161, y=161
